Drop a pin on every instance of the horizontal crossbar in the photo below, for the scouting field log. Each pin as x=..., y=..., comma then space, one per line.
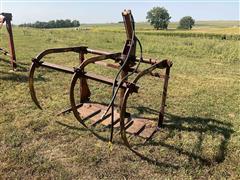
x=87, y=75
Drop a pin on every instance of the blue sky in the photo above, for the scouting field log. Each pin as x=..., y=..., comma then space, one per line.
x=96, y=11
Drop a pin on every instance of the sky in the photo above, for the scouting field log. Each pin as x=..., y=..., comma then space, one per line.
x=108, y=11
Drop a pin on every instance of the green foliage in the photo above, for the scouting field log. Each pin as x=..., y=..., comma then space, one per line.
x=186, y=22
x=52, y=24
x=158, y=17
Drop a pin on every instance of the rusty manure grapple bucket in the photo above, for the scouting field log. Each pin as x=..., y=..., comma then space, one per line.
x=91, y=114
x=7, y=18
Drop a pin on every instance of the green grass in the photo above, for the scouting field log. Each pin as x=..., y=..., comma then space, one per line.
x=203, y=29
x=202, y=140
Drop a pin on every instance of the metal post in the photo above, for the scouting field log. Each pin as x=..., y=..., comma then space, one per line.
x=11, y=42
x=84, y=89
x=129, y=28
x=164, y=97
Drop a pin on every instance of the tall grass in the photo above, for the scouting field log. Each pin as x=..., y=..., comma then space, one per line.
x=201, y=138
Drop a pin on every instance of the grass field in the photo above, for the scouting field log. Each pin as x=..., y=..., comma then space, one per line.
x=211, y=29
x=201, y=141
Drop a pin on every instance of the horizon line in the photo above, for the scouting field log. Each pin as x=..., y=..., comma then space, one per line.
x=135, y=21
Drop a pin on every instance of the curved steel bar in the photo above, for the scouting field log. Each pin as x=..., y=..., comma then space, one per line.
x=31, y=85
x=75, y=77
x=36, y=63
x=73, y=49
x=161, y=65
x=60, y=50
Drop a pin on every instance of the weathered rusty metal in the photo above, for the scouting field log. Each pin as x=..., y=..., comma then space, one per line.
x=84, y=89
x=7, y=18
x=91, y=114
x=147, y=131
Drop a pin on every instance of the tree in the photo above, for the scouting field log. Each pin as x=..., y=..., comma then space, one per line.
x=158, y=17
x=186, y=22
x=75, y=23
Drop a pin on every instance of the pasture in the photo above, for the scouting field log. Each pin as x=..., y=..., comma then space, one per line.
x=201, y=138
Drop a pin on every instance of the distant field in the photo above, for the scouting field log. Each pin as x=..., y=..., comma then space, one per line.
x=211, y=29
x=198, y=24
x=200, y=141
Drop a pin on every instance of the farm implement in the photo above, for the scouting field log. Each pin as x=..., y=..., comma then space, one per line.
x=7, y=18
x=114, y=115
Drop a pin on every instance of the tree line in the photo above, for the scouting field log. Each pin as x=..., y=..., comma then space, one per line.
x=53, y=24
x=159, y=18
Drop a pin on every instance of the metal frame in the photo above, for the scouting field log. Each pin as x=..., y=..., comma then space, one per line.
x=125, y=62
x=7, y=18
x=165, y=64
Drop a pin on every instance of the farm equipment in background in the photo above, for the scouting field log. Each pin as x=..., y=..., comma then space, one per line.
x=91, y=114
x=7, y=18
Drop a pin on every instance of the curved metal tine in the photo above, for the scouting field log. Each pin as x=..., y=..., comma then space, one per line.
x=72, y=98
x=142, y=73
x=162, y=64
x=122, y=123
x=36, y=62
x=74, y=106
x=76, y=77
x=31, y=85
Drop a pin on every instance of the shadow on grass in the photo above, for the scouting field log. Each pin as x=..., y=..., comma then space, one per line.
x=174, y=124
x=22, y=72
x=21, y=67
x=21, y=75
x=199, y=125
x=15, y=76
x=154, y=162
x=202, y=125
x=82, y=129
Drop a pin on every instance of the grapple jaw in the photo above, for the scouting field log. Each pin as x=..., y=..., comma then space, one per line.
x=35, y=64
x=125, y=63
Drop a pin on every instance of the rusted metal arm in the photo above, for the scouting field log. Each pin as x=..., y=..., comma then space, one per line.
x=148, y=61
x=144, y=60
x=98, y=52
x=164, y=64
x=98, y=58
x=7, y=18
x=80, y=73
x=37, y=63
x=98, y=78
x=78, y=49
x=86, y=75
x=131, y=69
x=60, y=50
x=161, y=65
x=58, y=67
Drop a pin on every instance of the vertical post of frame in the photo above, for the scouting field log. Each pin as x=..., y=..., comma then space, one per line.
x=85, y=92
x=8, y=19
x=129, y=28
x=164, y=98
